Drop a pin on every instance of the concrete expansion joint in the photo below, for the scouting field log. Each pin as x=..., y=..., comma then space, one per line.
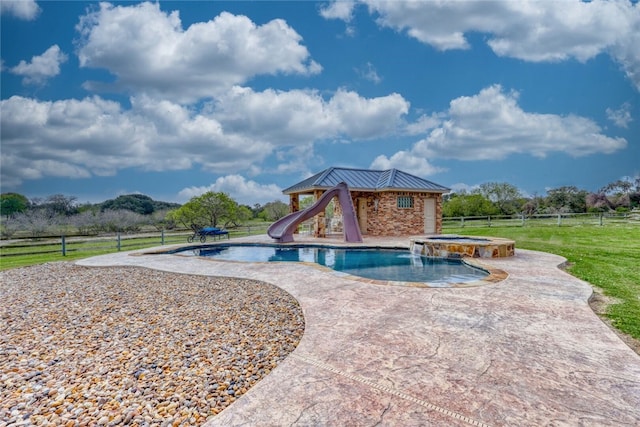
x=389, y=390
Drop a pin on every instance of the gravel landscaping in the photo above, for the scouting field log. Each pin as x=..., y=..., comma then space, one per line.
x=108, y=346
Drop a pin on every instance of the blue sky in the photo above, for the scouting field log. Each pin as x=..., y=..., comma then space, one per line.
x=172, y=99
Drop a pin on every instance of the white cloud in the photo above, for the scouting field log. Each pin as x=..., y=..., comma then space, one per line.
x=528, y=30
x=41, y=67
x=422, y=125
x=362, y=118
x=369, y=72
x=406, y=161
x=237, y=133
x=243, y=191
x=492, y=126
x=298, y=117
x=96, y=137
x=620, y=117
x=627, y=50
x=23, y=9
x=149, y=51
x=338, y=10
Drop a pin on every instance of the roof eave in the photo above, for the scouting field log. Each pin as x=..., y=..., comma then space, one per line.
x=415, y=190
x=368, y=190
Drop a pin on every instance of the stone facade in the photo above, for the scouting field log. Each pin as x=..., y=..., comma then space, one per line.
x=385, y=218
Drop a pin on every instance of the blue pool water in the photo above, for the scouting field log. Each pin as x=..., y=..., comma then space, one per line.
x=372, y=263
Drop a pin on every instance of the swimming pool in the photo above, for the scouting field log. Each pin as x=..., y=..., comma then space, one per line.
x=398, y=265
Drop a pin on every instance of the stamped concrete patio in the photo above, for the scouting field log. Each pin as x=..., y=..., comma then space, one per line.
x=527, y=351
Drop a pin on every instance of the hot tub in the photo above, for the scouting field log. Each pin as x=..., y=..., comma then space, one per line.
x=448, y=245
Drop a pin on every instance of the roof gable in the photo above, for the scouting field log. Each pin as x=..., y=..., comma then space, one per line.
x=366, y=180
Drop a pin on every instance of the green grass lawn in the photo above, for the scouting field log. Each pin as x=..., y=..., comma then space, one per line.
x=607, y=257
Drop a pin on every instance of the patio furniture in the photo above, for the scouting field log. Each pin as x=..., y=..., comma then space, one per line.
x=202, y=234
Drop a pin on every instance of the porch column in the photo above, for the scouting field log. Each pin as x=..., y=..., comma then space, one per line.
x=294, y=205
x=439, y=214
x=320, y=226
x=294, y=202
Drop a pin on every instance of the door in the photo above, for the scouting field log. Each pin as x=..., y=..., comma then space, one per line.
x=362, y=215
x=430, y=216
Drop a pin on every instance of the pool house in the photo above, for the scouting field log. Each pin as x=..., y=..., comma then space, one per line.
x=387, y=202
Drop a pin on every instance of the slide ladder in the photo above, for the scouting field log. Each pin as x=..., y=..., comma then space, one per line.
x=282, y=230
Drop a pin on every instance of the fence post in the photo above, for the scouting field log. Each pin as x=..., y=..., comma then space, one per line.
x=559, y=220
x=523, y=220
x=64, y=246
x=462, y=222
x=119, y=244
x=600, y=219
x=162, y=237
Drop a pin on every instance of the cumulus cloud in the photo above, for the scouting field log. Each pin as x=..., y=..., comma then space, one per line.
x=298, y=117
x=422, y=125
x=22, y=9
x=148, y=51
x=492, y=126
x=528, y=30
x=41, y=67
x=406, y=161
x=244, y=191
x=338, y=10
x=93, y=136
x=620, y=117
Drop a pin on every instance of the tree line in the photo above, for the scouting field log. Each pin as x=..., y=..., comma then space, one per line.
x=129, y=213
x=499, y=198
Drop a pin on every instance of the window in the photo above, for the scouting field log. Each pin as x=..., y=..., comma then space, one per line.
x=405, y=202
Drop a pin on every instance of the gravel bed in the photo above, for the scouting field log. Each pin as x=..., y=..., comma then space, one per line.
x=131, y=346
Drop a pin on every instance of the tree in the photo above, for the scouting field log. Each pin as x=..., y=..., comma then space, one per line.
x=533, y=205
x=121, y=220
x=566, y=199
x=12, y=203
x=9, y=227
x=209, y=209
x=275, y=210
x=617, y=187
x=463, y=204
x=159, y=220
x=138, y=203
x=623, y=193
x=598, y=202
x=59, y=204
x=87, y=222
x=240, y=215
x=37, y=221
x=505, y=196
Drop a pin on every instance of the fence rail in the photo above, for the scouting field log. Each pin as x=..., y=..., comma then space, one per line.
x=542, y=220
x=119, y=242
x=114, y=243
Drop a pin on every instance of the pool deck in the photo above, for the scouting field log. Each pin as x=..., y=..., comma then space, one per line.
x=526, y=351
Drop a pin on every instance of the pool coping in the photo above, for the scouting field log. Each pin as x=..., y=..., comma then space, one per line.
x=527, y=350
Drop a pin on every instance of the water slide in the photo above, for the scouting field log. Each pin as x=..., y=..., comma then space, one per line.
x=282, y=230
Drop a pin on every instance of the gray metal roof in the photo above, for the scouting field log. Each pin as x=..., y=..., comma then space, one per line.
x=366, y=180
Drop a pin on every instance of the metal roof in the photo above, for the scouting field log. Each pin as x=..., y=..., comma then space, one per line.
x=366, y=180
